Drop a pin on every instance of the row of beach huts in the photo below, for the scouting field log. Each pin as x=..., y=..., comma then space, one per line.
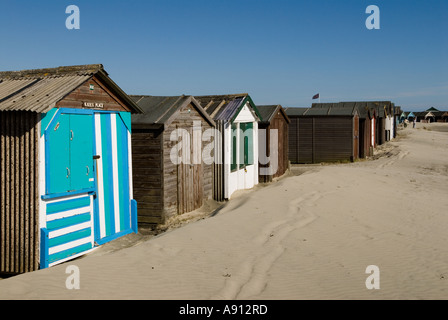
x=428, y=116
x=83, y=163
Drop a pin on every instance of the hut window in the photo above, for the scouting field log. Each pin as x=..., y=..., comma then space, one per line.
x=233, y=165
x=246, y=144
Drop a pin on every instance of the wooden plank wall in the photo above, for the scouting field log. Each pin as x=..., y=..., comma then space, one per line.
x=218, y=167
x=19, y=193
x=293, y=140
x=147, y=175
x=99, y=94
x=306, y=140
x=185, y=186
x=280, y=124
x=320, y=139
x=365, y=149
x=333, y=139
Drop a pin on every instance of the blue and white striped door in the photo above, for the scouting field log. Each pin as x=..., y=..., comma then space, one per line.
x=113, y=200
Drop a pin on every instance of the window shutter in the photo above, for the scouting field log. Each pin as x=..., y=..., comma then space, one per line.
x=242, y=145
x=249, y=148
x=233, y=152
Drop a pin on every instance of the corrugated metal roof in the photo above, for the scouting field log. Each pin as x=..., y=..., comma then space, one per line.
x=39, y=90
x=159, y=109
x=10, y=87
x=43, y=94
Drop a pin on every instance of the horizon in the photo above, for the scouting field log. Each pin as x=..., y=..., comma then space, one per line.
x=280, y=52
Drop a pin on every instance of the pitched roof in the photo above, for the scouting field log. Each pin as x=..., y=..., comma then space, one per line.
x=328, y=109
x=268, y=112
x=295, y=111
x=226, y=107
x=161, y=110
x=39, y=90
x=365, y=108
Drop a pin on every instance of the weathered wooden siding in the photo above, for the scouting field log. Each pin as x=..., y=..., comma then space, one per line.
x=364, y=138
x=356, y=139
x=218, y=165
x=321, y=139
x=333, y=139
x=185, y=185
x=19, y=197
x=148, y=175
x=280, y=124
x=306, y=140
x=293, y=140
x=99, y=94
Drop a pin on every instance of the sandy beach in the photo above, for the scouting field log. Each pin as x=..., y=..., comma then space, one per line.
x=309, y=235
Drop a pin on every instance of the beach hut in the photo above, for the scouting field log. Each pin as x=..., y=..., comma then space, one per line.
x=434, y=115
x=380, y=111
x=430, y=117
x=403, y=117
x=170, y=175
x=273, y=142
x=410, y=116
x=445, y=117
x=66, y=170
x=367, y=126
x=397, y=119
x=367, y=123
x=324, y=134
x=236, y=149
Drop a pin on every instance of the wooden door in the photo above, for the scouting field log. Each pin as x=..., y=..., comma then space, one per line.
x=190, y=172
x=356, y=138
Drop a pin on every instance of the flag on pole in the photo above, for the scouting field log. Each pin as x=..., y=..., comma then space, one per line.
x=317, y=96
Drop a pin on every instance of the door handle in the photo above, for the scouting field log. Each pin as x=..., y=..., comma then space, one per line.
x=68, y=172
x=71, y=135
x=88, y=170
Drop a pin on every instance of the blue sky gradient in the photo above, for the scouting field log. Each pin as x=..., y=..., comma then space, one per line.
x=280, y=52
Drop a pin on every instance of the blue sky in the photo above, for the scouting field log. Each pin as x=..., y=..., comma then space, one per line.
x=280, y=52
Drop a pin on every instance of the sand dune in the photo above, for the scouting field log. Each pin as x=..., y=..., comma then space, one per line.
x=310, y=235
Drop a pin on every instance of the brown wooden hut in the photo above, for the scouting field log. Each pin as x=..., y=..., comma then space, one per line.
x=367, y=122
x=164, y=184
x=327, y=134
x=273, y=118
